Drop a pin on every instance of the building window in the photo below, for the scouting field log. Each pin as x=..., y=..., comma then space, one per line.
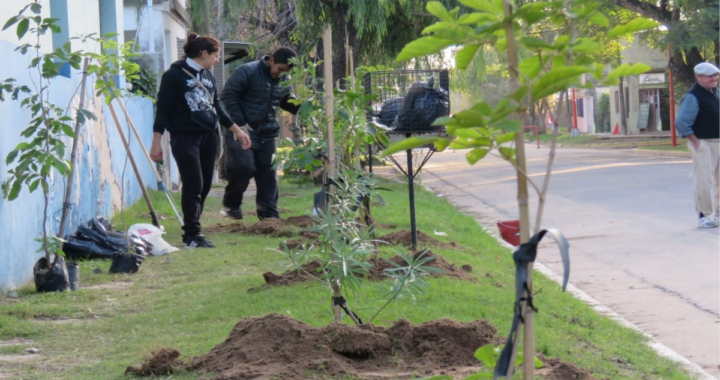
x=580, y=109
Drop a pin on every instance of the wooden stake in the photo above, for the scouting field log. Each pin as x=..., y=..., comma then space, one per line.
x=153, y=215
x=329, y=108
x=527, y=313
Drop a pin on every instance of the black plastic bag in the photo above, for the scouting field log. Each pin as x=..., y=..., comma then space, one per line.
x=126, y=262
x=95, y=239
x=389, y=111
x=53, y=279
x=421, y=106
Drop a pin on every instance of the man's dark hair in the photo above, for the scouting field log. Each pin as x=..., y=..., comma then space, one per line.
x=283, y=55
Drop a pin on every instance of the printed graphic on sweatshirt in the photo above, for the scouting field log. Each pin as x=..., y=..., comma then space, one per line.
x=198, y=100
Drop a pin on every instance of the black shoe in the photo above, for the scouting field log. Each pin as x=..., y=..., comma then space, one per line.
x=199, y=241
x=235, y=213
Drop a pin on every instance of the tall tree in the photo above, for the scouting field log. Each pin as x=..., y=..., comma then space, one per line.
x=692, y=31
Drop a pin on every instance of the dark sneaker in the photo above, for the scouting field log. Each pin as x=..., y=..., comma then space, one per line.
x=199, y=241
x=235, y=213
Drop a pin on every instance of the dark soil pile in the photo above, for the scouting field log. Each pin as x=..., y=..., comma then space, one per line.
x=313, y=267
x=404, y=238
x=556, y=369
x=276, y=345
x=160, y=363
x=302, y=221
x=238, y=227
x=272, y=227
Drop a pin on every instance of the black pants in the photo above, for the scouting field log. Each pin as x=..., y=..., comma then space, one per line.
x=241, y=165
x=195, y=156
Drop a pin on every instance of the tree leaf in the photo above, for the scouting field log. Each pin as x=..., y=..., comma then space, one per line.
x=586, y=45
x=486, y=355
x=627, y=69
x=423, y=46
x=508, y=125
x=438, y=10
x=556, y=76
x=599, y=19
x=475, y=18
x=442, y=144
x=476, y=155
x=11, y=21
x=534, y=42
x=636, y=25
x=407, y=144
x=22, y=28
x=530, y=67
x=481, y=5
x=465, y=56
x=36, y=8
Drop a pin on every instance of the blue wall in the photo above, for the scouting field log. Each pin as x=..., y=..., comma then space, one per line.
x=97, y=182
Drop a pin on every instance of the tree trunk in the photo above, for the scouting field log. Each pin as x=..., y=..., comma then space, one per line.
x=623, y=111
x=339, y=28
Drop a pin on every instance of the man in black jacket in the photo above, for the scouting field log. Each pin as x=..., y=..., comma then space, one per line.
x=251, y=97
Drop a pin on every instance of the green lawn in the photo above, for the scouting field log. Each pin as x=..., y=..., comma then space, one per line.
x=191, y=300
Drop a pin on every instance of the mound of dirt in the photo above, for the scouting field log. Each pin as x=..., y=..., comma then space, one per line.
x=238, y=227
x=314, y=267
x=302, y=221
x=160, y=363
x=448, y=269
x=556, y=369
x=272, y=227
x=276, y=345
x=404, y=238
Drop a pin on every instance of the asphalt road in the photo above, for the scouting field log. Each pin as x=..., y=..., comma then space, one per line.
x=630, y=220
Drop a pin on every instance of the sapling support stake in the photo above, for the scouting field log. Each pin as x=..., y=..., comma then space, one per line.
x=161, y=184
x=153, y=215
x=73, y=154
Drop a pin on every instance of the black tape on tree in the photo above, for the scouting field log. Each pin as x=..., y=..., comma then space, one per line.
x=524, y=255
x=340, y=301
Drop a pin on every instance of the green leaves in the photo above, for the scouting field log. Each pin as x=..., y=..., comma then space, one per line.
x=22, y=28
x=558, y=79
x=423, y=46
x=636, y=25
x=410, y=143
x=624, y=70
x=465, y=56
x=438, y=10
x=534, y=42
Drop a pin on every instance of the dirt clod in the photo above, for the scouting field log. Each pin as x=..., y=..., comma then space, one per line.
x=302, y=221
x=404, y=238
x=160, y=363
x=237, y=227
x=272, y=227
x=314, y=268
x=467, y=268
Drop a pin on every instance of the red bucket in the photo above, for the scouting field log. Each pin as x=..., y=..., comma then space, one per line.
x=510, y=231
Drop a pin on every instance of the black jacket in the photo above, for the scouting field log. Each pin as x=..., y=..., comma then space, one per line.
x=183, y=106
x=251, y=96
x=707, y=124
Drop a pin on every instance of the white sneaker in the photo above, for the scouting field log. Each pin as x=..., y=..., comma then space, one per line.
x=706, y=222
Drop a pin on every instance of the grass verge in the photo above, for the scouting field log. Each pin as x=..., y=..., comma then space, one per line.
x=191, y=299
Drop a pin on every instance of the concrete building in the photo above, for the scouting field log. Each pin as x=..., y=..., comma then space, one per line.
x=646, y=96
x=99, y=186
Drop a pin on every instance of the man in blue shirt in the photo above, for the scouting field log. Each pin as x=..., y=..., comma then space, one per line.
x=698, y=120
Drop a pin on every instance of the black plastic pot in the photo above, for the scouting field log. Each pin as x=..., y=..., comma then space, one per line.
x=126, y=262
x=52, y=279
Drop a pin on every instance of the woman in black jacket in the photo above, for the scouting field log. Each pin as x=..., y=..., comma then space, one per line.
x=188, y=108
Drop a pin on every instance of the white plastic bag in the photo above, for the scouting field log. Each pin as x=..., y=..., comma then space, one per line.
x=154, y=236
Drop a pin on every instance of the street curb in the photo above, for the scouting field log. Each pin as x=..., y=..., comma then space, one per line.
x=650, y=152
x=601, y=309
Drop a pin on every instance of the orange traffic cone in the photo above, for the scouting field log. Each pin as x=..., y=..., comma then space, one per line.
x=616, y=131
